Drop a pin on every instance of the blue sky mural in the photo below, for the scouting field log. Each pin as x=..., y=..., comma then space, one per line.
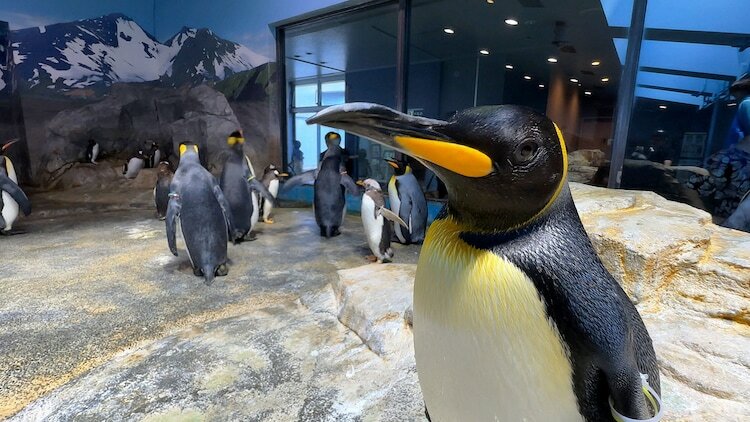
x=241, y=21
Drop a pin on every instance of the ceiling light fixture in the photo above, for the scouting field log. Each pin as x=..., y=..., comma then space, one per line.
x=731, y=104
x=449, y=31
x=660, y=130
x=541, y=85
x=509, y=66
x=491, y=1
x=574, y=80
x=596, y=63
x=484, y=51
x=605, y=79
x=511, y=22
x=552, y=59
x=662, y=106
x=527, y=77
x=586, y=92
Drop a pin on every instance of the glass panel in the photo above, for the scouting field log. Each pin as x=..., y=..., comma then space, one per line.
x=687, y=141
x=306, y=95
x=332, y=93
x=308, y=150
x=559, y=59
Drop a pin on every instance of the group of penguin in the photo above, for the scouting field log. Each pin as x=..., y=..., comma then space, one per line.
x=330, y=181
x=149, y=157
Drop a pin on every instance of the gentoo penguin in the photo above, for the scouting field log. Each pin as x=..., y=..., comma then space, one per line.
x=374, y=216
x=196, y=199
x=134, y=165
x=161, y=190
x=12, y=197
x=271, y=177
x=408, y=201
x=242, y=189
x=515, y=316
x=92, y=152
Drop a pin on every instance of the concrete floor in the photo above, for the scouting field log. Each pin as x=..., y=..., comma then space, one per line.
x=91, y=278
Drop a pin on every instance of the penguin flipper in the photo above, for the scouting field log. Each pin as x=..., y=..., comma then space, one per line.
x=390, y=215
x=259, y=187
x=173, y=212
x=8, y=185
x=224, y=204
x=306, y=178
x=348, y=183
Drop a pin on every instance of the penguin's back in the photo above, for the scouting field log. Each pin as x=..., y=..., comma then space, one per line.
x=329, y=194
x=234, y=185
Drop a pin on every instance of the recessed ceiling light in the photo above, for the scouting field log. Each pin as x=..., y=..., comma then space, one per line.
x=731, y=104
x=511, y=22
x=509, y=66
x=605, y=79
x=574, y=80
x=527, y=77
x=449, y=31
x=660, y=130
x=541, y=85
x=586, y=92
x=596, y=63
x=662, y=106
x=491, y=1
x=484, y=51
x=552, y=59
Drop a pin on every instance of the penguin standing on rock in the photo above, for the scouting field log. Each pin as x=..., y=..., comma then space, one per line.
x=161, y=190
x=375, y=219
x=92, y=152
x=241, y=188
x=134, y=165
x=271, y=178
x=12, y=198
x=196, y=199
x=515, y=316
x=408, y=201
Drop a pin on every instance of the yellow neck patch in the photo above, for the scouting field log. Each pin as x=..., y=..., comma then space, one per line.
x=235, y=140
x=184, y=148
x=457, y=158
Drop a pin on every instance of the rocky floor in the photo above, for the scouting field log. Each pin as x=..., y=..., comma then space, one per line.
x=92, y=301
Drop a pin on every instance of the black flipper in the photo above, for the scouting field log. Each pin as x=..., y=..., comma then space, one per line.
x=259, y=187
x=226, y=209
x=404, y=211
x=306, y=178
x=173, y=212
x=348, y=183
x=8, y=185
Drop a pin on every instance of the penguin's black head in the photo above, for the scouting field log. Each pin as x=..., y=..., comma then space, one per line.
x=503, y=165
x=188, y=152
x=236, y=141
x=399, y=166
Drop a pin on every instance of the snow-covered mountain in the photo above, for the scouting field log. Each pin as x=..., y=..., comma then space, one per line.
x=114, y=48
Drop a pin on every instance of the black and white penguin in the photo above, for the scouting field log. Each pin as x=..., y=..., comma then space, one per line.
x=515, y=316
x=408, y=201
x=161, y=190
x=152, y=154
x=241, y=188
x=271, y=179
x=134, y=165
x=12, y=198
x=196, y=199
x=376, y=221
x=92, y=152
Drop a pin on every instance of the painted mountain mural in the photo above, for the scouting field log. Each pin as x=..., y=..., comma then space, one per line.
x=97, y=52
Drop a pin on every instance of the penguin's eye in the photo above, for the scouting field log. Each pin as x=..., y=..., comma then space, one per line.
x=525, y=151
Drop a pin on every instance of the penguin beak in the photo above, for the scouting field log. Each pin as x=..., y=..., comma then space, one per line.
x=283, y=174
x=8, y=144
x=360, y=182
x=419, y=137
x=392, y=163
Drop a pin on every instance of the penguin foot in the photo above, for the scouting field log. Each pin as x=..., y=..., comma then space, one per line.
x=197, y=272
x=371, y=258
x=12, y=232
x=250, y=237
x=222, y=270
x=268, y=221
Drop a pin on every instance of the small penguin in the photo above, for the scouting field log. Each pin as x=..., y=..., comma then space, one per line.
x=196, y=199
x=330, y=180
x=408, y=201
x=515, y=316
x=161, y=190
x=92, y=152
x=12, y=197
x=271, y=177
x=153, y=156
x=241, y=188
x=374, y=216
x=134, y=165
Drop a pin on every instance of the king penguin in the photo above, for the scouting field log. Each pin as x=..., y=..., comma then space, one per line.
x=329, y=200
x=196, y=199
x=515, y=316
x=161, y=190
x=271, y=178
x=12, y=197
x=376, y=221
x=241, y=188
x=408, y=201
